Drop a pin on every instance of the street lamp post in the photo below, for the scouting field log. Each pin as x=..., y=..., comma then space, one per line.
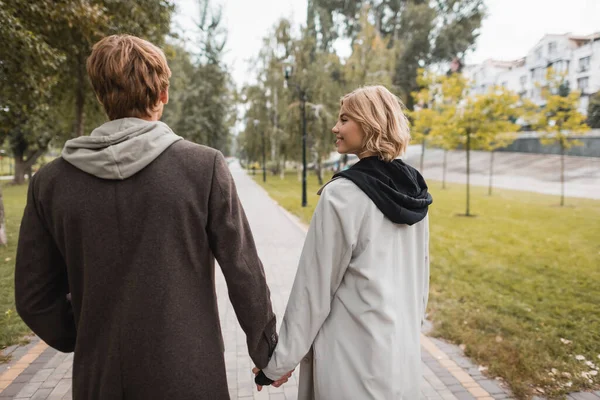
x=302, y=94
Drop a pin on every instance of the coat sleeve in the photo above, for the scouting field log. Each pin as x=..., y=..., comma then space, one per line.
x=327, y=252
x=41, y=284
x=232, y=244
x=425, y=271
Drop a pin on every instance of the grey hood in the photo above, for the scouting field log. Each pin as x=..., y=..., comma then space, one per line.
x=119, y=148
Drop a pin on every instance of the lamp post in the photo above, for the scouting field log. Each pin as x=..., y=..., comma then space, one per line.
x=287, y=73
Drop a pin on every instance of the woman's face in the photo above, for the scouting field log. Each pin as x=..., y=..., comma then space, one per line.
x=349, y=135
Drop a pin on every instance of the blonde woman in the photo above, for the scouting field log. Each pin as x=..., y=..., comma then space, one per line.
x=356, y=307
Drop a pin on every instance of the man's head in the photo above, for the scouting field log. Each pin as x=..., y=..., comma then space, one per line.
x=130, y=77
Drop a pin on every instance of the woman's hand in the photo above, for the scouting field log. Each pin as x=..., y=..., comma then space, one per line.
x=276, y=383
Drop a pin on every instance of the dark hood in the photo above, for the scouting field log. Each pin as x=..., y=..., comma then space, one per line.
x=397, y=189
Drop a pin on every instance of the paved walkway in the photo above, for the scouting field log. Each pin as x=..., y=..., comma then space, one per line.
x=38, y=372
x=519, y=171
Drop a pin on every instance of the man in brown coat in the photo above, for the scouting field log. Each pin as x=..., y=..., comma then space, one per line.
x=129, y=221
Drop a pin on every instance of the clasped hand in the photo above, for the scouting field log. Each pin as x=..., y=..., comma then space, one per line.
x=276, y=383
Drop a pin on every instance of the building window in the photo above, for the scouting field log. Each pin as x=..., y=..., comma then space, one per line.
x=523, y=80
x=537, y=74
x=582, y=83
x=558, y=66
x=584, y=64
x=538, y=53
x=551, y=48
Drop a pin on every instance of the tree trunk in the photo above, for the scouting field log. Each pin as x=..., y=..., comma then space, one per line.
x=468, y=213
x=422, y=155
x=3, y=237
x=79, y=98
x=491, y=172
x=275, y=141
x=24, y=167
x=319, y=170
x=282, y=170
x=19, y=176
x=562, y=174
x=264, y=157
x=444, y=169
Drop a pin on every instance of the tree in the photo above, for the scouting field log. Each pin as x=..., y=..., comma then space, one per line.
x=424, y=117
x=28, y=67
x=424, y=32
x=317, y=73
x=501, y=106
x=473, y=122
x=372, y=58
x=326, y=87
x=594, y=111
x=482, y=117
x=44, y=84
x=75, y=37
x=29, y=73
x=559, y=119
x=203, y=95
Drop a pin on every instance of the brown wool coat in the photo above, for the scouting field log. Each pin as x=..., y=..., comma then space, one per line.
x=138, y=257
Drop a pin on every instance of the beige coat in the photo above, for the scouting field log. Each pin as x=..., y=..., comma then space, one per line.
x=357, y=303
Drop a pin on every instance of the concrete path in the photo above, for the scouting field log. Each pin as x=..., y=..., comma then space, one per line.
x=519, y=171
x=38, y=372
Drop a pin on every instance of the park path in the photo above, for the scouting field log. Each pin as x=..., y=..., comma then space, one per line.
x=40, y=373
x=529, y=172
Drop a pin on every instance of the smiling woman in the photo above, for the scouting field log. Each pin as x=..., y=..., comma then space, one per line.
x=509, y=284
x=358, y=300
x=371, y=123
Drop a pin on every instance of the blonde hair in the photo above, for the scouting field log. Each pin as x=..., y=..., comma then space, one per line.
x=380, y=115
x=128, y=75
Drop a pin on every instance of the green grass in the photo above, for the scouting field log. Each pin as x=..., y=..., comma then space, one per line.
x=509, y=283
x=12, y=328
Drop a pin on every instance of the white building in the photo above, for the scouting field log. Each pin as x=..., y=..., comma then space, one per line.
x=578, y=56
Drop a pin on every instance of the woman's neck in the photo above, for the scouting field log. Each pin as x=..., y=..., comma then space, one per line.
x=365, y=154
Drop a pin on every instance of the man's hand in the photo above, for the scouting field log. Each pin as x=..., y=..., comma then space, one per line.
x=277, y=383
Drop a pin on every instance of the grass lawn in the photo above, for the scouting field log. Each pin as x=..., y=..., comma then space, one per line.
x=12, y=328
x=518, y=285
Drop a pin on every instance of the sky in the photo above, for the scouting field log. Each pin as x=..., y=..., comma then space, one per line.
x=511, y=28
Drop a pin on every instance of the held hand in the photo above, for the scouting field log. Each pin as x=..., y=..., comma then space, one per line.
x=276, y=383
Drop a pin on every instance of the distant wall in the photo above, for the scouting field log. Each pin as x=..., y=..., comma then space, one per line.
x=530, y=143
